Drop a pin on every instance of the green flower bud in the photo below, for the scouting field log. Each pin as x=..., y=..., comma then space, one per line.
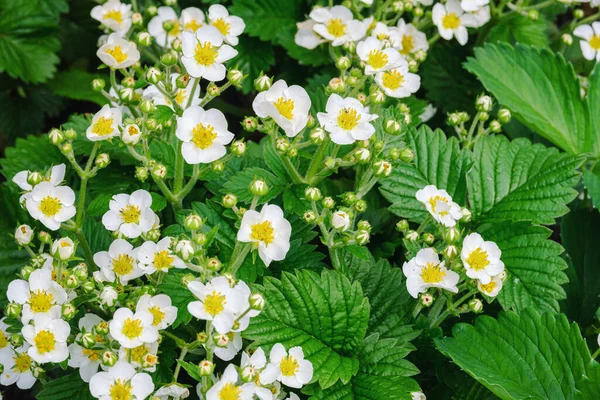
x=202, y=337
x=68, y=311
x=312, y=194
x=141, y=174
x=193, y=222
x=392, y=127
x=147, y=106
x=109, y=358
x=128, y=82
x=88, y=287
x=98, y=85
x=377, y=97
x=466, y=215
x=484, y=103
x=56, y=137
x=250, y=124
x=450, y=252
x=310, y=217
x=72, y=282
x=476, y=305
x=159, y=172
x=26, y=272
x=362, y=155
x=413, y=236
x=364, y=225
x=343, y=63
x=567, y=39
x=102, y=160
x=427, y=299
x=206, y=367
x=336, y=85
x=349, y=198
x=534, y=15
x=258, y=187
x=221, y=340
x=236, y=77
x=428, y=238
x=238, y=148
x=229, y=200
x=262, y=83
x=360, y=206
x=168, y=59
x=137, y=19
x=310, y=122
x=407, y=155
x=88, y=340
x=257, y=301
x=66, y=148
x=70, y=134
x=217, y=166
x=126, y=94
x=177, y=45
x=151, y=11
x=153, y=75
x=17, y=340
x=328, y=203
x=362, y=237
x=382, y=168
x=317, y=135
x=214, y=264
x=12, y=310
x=45, y=238
x=504, y=115
x=143, y=39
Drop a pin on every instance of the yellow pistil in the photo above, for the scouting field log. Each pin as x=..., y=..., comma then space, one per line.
x=433, y=202
x=115, y=15
x=203, y=136
x=22, y=362
x=408, y=44
x=132, y=328
x=138, y=352
x=377, y=59
x=285, y=107
x=336, y=27
x=214, y=303
x=3, y=340
x=489, y=288
x=192, y=26
x=132, y=130
x=478, y=259
x=123, y=264
x=50, y=206
x=92, y=355
x=432, y=273
x=120, y=390
x=392, y=79
x=44, y=341
x=451, y=21
x=595, y=42
x=383, y=36
x=130, y=214
x=289, y=366
x=157, y=313
x=180, y=97
x=103, y=126
x=263, y=232
x=163, y=260
x=175, y=30
x=348, y=118
x=222, y=26
x=205, y=54
x=40, y=301
x=230, y=391
x=117, y=53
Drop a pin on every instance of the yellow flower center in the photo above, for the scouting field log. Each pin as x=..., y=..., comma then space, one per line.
x=595, y=42
x=117, y=53
x=203, y=136
x=478, y=259
x=132, y=130
x=103, y=126
x=489, y=288
x=176, y=29
x=123, y=264
x=348, y=118
x=451, y=21
x=181, y=96
x=383, y=36
x=432, y=273
x=192, y=25
x=50, y=206
x=205, y=54
x=222, y=26
x=130, y=214
x=377, y=59
x=23, y=230
x=408, y=44
x=138, y=352
x=285, y=107
x=22, y=362
x=157, y=313
x=92, y=355
x=163, y=260
x=40, y=301
x=214, y=303
x=392, y=79
x=336, y=27
x=263, y=232
x=230, y=391
x=120, y=390
x=115, y=15
x=44, y=341
x=289, y=366
x=132, y=328
x=433, y=201
x=3, y=340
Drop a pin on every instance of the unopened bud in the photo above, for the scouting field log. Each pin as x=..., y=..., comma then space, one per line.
x=382, y=168
x=451, y=252
x=360, y=206
x=12, y=310
x=262, y=83
x=159, y=172
x=250, y=124
x=258, y=187
x=476, y=305
x=68, y=311
x=229, y=200
x=206, y=367
x=56, y=136
x=214, y=264
x=221, y=340
x=362, y=237
x=317, y=135
x=102, y=160
x=109, y=358
x=235, y=77
x=428, y=238
x=567, y=39
x=184, y=249
x=310, y=217
x=153, y=75
x=466, y=215
x=312, y=194
x=343, y=63
x=427, y=299
x=328, y=202
x=392, y=127
x=484, y=103
x=238, y=148
x=141, y=173
x=413, y=236
x=217, y=166
x=504, y=115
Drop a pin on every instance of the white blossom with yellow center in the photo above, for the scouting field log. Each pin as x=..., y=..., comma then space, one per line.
x=17, y=367
x=139, y=354
x=389, y=36
x=229, y=387
x=86, y=360
x=411, y=39
x=440, y=205
x=160, y=306
x=154, y=257
x=130, y=215
x=48, y=339
x=232, y=348
x=398, y=82
x=289, y=368
x=50, y=204
x=118, y=52
x=204, y=53
x=376, y=56
x=229, y=26
x=492, y=288
x=306, y=36
x=118, y=263
x=425, y=271
x=132, y=330
x=55, y=176
x=452, y=21
x=114, y=15
x=192, y=19
x=156, y=27
x=346, y=120
x=268, y=230
x=105, y=124
x=287, y=105
x=218, y=302
x=204, y=134
x=182, y=95
x=121, y=382
x=590, y=40
x=337, y=25
x=481, y=258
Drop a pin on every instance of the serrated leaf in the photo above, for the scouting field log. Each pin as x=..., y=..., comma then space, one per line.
x=516, y=28
x=521, y=356
x=520, y=181
x=191, y=369
x=265, y=18
x=180, y=296
x=69, y=387
x=438, y=161
x=162, y=114
x=34, y=153
x=239, y=185
x=326, y=315
x=248, y=61
x=77, y=85
x=159, y=203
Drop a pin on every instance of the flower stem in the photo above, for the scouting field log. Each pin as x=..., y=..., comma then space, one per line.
x=240, y=251
x=317, y=162
x=178, y=366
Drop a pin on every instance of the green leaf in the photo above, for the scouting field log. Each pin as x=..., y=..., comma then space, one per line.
x=265, y=18
x=315, y=57
x=591, y=180
x=76, y=84
x=162, y=114
x=35, y=153
x=239, y=185
x=326, y=315
x=520, y=181
x=158, y=202
x=69, y=387
x=541, y=89
x=249, y=63
x=516, y=28
x=226, y=235
x=191, y=369
x=521, y=356
x=438, y=161
x=99, y=205
x=533, y=264
x=592, y=100
x=180, y=295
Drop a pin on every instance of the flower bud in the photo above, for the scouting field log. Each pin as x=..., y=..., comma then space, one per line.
x=168, y=59
x=328, y=202
x=362, y=237
x=567, y=39
x=340, y=220
x=221, y=340
x=184, y=249
x=66, y=148
x=128, y=82
x=250, y=124
x=153, y=75
x=350, y=47
x=126, y=94
x=159, y=172
x=451, y=252
x=262, y=83
x=98, y=85
x=310, y=217
x=137, y=19
x=484, y=103
x=56, y=137
x=109, y=358
x=343, y=63
x=351, y=81
x=229, y=200
x=452, y=235
x=68, y=311
x=420, y=56
x=236, y=77
x=102, y=160
x=382, y=168
x=141, y=173
x=257, y=301
x=427, y=299
x=360, y=206
x=413, y=236
x=88, y=340
x=402, y=225
x=407, y=155
x=398, y=6
x=495, y=126
x=418, y=11
x=17, y=340
x=72, y=282
x=483, y=116
x=312, y=194
x=392, y=127
x=108, y=296
x=12, y=310
x=63, y=248
x=258, y=187
x=217, y=166
x=282, y=145
x=310, y=122
x=428, y=238
x=206, y=367
x=317, y=135
x=177, y=45
x=193, y=222
x=238, y=148
x=88, y=287
x=292, y=152
x=534, y=15
x=151, y=10
x=476, y=305
x=26, y=271
x=466, y=215
x=377, y=97
x=504, y=115
x=362, y=155
x=200, y=239
x=214, y=264
x=143, y=39
x=23, y=235
x=336, y=85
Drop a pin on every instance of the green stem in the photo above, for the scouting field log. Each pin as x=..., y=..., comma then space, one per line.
x=596, y=354
x=179, y=167
x=192, y=92
x=291, y=170
x=317, y=162
x=239, y=256
x=89, y=255
x=178, y=366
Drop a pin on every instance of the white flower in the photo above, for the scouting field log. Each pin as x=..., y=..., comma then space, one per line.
x=192, y=18
x=306, y=36
x=425, y=271
x=132, y=330
x=40, y=296
x=492, y=288
x=63, y=248
x=473, y=5
x=229, y=26
x=376, y=57
x=337, y=25
x=288, y=106
x=161, y=308
x=172, y=391
x=428, y=113
x=131, y=215
x=412, y=40
x=233, y=347
x=204, y=133
x=4, y=336
x=340, y=220
x=23, y=235
x=118, y=262
x=118, y=52
x=50, y=204
x=440, y=205
x=121, y=382
x=481, y=258
x=157, y=30
x=114, y=15
x=204, y=53
x=590, y=43
x=87, y=360
x=182, y=96
x=131, y=134
x=105, y=124
x=246, y=312
x=108, y=296
x=452, y=21
x=418, y=396
x=398, y=82
x=229, y=388
x=289, y=368
x=17, y=367
x=347, y=120
x=269, y=230
x=138, y=354
x=57, y=175
x=219, y=303
x=157, y=257
x=48, y=339
x=389, y=36
x=480, y=17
